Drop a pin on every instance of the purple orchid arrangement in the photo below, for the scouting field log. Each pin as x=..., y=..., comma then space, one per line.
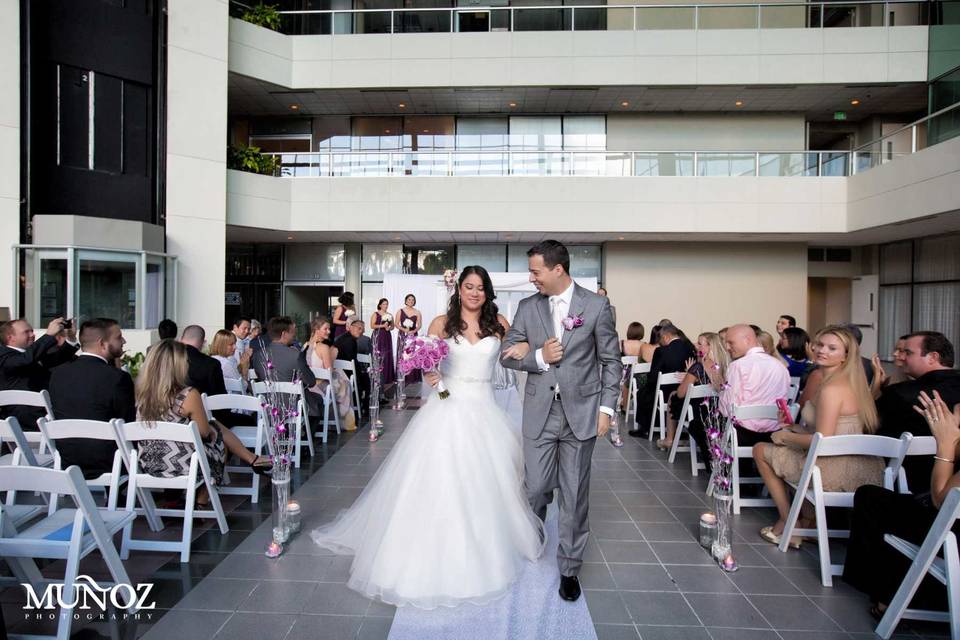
x=571, y=322
x=424, y=353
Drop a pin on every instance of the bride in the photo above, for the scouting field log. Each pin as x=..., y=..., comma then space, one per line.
x=445, y=520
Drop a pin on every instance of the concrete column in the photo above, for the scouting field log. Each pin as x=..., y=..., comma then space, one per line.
x=9, y=146
x=196, y=156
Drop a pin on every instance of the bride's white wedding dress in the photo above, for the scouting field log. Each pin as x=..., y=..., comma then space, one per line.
x=445, y=520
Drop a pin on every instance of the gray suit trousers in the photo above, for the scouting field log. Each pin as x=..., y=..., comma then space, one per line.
x=558, y=460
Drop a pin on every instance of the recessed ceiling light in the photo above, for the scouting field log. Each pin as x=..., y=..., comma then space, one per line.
x=289, y=237
x=624, y=104
x=386, y=130
x=738, y=103
x=294, y=107
x=426, y=130
x=620, y=238
x=401, y=105
x=854, y=102
x=396, y=237
x=513, y=104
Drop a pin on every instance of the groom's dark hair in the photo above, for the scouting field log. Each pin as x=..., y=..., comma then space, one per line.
x=553, y=253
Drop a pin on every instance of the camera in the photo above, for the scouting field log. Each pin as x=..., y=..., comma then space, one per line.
x=67, y=324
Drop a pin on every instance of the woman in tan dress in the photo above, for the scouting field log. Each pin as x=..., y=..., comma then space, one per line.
x=843, y=406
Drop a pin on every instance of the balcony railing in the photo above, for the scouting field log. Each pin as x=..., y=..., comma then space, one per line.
x=601, y=17
x=932, y=129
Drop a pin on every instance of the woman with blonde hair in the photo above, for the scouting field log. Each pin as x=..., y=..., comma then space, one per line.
x=223, y=350
x=770, y=347
x=843, y=405
x=712, y=360
x=320, y=355
x=163, y=395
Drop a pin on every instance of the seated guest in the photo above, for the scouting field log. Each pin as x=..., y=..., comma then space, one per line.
x=865, y=362
x=241, y=330
x=752, y=378
x=288, y=363
x=872, y=565
x=601, y=291
x=785, y=321
x=843, y=406
x=206, y=375
x=163, y=394
x=766, y=341
x=223, y=349
x=92, y=388
x=710, y=356
x=928, y=359
x=167, y=329
x=320, y=355
x=671, y=357
x=793, y=348
x=256, y=330
x=631, y=346
x=26, y=361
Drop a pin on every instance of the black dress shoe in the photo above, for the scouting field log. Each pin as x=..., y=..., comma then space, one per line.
x=569, y=588
x=637, y=433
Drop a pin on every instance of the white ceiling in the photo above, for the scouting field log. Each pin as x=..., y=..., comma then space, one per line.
x=942, y=223
x=249, y=96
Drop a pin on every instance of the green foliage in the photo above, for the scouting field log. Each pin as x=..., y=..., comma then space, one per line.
x=133, y=363
x=252, y=160
x=263, y=15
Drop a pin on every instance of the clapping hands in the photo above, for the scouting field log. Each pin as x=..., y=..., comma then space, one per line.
x=944, y=424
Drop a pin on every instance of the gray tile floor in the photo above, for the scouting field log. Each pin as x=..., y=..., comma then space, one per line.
x=645, y=575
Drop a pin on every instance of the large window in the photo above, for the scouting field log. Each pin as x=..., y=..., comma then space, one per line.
x=919, y=289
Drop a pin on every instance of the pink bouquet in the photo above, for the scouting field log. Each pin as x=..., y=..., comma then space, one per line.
x=424, y=353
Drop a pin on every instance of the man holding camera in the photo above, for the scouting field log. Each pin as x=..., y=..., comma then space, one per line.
x=26, y=361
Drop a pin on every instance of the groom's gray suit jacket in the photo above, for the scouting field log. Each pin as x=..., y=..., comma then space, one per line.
x=589, y=372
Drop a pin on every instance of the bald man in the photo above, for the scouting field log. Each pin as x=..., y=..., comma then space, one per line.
x=752, y=378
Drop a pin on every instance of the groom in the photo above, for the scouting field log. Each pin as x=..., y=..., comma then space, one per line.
x=574, y=377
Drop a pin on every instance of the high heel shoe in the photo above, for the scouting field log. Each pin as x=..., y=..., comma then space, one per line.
x=774, y=538
x=261, y=465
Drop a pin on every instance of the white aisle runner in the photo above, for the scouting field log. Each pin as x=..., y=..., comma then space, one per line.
x=531, y=610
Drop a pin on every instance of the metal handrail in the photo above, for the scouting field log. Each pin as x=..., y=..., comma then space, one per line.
x=906, y=127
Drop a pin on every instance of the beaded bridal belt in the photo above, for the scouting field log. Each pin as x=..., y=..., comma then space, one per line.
x=468, y=379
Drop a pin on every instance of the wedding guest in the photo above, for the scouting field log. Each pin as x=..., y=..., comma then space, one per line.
x=929, y=360
x=223, y=350
x=647, y=350
x=793, y=348
x=26, y=362
x=255, y=330
x=785, y=321
x=345, y=310
x=712, y=355
x=92, y=388
x=288, y=362
x=633, y=343
x=321, y=355
x=843, y=406
x=163, y=394
x=241, y=329
x=205, y=374
x=669, y=358
x=769, y=347
x=167, y=329
x=872, y=565
x=601, y=291
x=408, y=321
x=753, y=377
x=382, y=324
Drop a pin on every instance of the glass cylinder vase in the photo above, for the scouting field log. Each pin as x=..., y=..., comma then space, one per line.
x=280, y=481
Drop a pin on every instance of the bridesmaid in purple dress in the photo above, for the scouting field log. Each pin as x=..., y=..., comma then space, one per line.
x=383, y=343
x=341, y=312
x=408, y=321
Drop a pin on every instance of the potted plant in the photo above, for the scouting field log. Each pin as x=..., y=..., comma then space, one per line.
x=262, y=15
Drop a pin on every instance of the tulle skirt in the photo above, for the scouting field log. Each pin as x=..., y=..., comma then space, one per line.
x=445, y=520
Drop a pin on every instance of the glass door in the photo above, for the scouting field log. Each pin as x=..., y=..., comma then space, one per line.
x=52, y=299
x=473, y=20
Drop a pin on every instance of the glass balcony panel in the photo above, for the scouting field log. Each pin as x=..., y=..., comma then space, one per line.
x=786, y=164
x=552, y=19
x=835, y=163
x=591, y=19
x=421, y=22
x=480, y=164
x=788, y=17
x=425, y=164
x=663, y=164
x=727, y=17
x=370, y=22
x=666, y=18
x=726, y=164
x=499, y=20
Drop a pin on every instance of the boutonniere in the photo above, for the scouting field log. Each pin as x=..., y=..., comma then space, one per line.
x=571, y=322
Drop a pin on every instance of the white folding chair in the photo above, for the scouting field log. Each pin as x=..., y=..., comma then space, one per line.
x=747, y=412
x=12, y=435
x=794, y=390
x=109, y=482
x=234, y=385
x=197, y=475
x=660, y=403
x=919, y=446
x=695, y=392
x=252, y=374
x=329, y=400
x=350, y=370
x=38, y=399
x=364, y=358
x=636, y=369
x=300, y=422
x=926, y=561
x=66, y=534
x=810, y=488
x=252, y=437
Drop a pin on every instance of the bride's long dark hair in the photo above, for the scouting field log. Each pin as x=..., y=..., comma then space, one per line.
x=489, y=325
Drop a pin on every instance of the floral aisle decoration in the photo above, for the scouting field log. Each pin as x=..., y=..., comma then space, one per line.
x=720, y=443
x=375, y=371
x=281, y=414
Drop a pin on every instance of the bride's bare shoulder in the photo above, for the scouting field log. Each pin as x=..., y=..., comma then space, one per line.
x=436, y=326
x=503, y=322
